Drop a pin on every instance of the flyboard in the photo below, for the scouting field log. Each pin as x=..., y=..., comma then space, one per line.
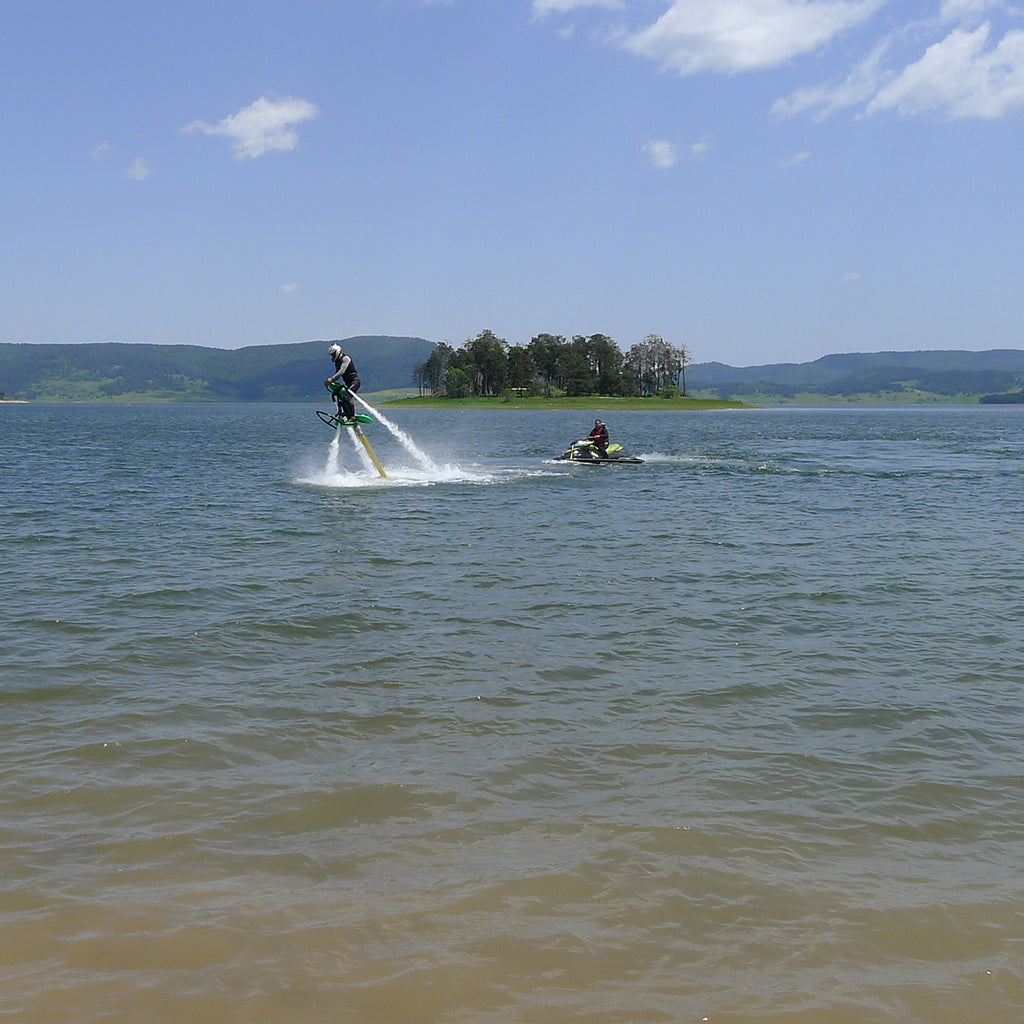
x=336, y=421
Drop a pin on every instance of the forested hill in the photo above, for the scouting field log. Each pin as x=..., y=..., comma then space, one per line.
x=905, y=376
x=268, y=373
x=293, y=372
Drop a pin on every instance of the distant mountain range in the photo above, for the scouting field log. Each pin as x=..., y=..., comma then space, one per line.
x=902, y=376
x=112, y=371
x=260, y=373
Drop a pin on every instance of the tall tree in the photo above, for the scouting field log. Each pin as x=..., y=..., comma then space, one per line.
x=435, y=369
x=544, y=350
x=577, y=377
x=656, y=365
x=685, y=358
x=521, y=370
x=456, y=382
x=419, y=375
x=606, y=364
x=490, y=361
x=640, y=361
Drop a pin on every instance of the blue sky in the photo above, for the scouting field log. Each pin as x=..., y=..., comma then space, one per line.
x=760, y=180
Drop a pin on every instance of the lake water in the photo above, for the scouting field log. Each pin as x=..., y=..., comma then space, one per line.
x=732, y=736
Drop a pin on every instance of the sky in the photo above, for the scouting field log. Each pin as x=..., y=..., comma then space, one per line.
x=758, y=180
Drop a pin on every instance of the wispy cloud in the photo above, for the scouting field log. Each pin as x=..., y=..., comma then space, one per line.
x=859, y=86
x=662, y=153
x=290, y=288
x=542, y=8
x=700, y=149
x=728, y=36
x=943, y=58
x=964, y=10
x=961, y=76
x=101, y=150
x=796, y=158
x=261, y=127
x=139, y=170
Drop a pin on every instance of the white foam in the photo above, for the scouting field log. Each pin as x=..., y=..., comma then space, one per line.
x=397, y=477
x=663, y=457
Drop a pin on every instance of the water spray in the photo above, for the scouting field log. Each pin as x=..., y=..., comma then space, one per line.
x=338, y=389
x=400, y=435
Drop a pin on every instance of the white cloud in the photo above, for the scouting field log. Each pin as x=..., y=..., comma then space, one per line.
x=963, y=74
x=262, y=126
x=944, y=58
x=742, y=35
x=796, y=158
x=139, y=170
x=859, y=87
x=542, y=8
x=960, y=77
x=663, y=154
x=100, y=151
x=701, y=148
x=850, y=277
x=289, y=289
x=964, y=10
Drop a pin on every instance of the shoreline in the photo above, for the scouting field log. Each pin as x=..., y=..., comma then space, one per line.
x=591, y=402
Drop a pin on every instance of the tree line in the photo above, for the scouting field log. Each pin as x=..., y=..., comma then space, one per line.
x=553, y=366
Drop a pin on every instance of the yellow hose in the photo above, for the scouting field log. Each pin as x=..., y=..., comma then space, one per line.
x=370, y=452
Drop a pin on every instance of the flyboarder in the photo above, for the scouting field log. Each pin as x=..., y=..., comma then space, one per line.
x=345, y=371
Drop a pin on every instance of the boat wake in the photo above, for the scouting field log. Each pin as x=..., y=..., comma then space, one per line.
x=687, y=460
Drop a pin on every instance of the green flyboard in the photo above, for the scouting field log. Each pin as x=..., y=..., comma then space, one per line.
x=337, y=421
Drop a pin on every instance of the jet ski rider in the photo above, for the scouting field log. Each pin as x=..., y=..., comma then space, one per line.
x=598, y=437
x=345, y=371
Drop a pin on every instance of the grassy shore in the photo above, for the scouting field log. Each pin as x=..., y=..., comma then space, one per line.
x=597, y=403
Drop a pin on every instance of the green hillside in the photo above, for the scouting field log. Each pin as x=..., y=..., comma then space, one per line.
x=890, y=376
x=294, y=372
x=259, y=373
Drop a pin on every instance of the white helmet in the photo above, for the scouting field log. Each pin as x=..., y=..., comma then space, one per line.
x=334, y=350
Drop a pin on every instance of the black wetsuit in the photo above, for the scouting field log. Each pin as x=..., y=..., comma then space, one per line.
x=345, y=371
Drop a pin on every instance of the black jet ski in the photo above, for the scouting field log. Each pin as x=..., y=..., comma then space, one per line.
x=585, y=451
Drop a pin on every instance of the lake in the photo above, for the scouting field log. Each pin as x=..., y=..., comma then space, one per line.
x=731, y=736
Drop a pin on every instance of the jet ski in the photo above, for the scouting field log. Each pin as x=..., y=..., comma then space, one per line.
x=585, y=451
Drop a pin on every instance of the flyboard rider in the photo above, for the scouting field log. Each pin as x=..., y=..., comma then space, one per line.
x=345, y=371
